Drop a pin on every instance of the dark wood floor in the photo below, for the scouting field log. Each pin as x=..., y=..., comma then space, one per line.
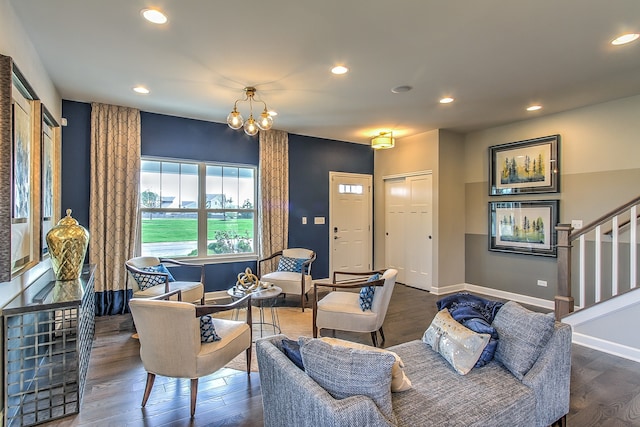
x=605, y=390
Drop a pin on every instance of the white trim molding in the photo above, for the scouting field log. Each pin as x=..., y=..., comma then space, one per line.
x=524, y=299
x=610, y=347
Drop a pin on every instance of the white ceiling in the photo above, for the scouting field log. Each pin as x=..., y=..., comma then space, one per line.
x=495, y=57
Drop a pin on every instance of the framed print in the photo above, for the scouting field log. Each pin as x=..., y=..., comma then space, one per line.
x=526, y=227
x=525, y=167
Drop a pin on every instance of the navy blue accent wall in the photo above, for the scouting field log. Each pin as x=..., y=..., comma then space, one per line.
x=76, y=160
x=310, y=160
x=169, y=136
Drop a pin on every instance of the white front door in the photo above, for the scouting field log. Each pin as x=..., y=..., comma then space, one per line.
x=350, y=228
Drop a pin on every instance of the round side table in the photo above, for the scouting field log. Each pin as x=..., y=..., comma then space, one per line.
x=262, y=299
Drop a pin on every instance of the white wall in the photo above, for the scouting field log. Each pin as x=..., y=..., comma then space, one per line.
x=599, y=171
x=15, y=43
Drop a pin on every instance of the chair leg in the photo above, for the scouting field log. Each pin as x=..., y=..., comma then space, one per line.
x=381, y=334
x=194, y=395
x=374, y=338
x=147, y=390
x=248, y=355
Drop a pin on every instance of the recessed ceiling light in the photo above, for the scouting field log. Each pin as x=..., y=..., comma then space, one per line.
x=446, y=100
x=401, y=89
x=534, y=107
x=154, y=15
x=339, y=69
x=141, y=89
x=625, y=38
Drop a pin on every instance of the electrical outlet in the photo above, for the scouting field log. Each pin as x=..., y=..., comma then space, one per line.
x=576, y=223
x=542, y=283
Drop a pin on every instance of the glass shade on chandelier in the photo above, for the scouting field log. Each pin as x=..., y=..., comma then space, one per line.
x=251, y=126
x=383, y=141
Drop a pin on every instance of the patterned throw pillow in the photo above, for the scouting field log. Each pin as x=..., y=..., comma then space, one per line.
x=146, y=281
x=291, y=264
x=366, y=293
x=207, y=330
x=459, y=346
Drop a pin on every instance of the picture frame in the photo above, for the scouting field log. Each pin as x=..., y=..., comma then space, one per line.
x=524, y=227
x=525, y=167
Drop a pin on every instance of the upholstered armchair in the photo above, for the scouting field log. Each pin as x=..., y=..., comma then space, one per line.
x=149, y=277
x=293, y=273
x=358, y=303
x=181, y=340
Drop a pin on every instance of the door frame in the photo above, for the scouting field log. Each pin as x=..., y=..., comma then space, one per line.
x=369, y=179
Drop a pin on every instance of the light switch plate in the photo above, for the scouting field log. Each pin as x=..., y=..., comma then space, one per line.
x=318, y=220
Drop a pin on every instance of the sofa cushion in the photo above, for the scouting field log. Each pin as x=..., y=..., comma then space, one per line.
x=345, y=372
x=460, y=346
x=487, y=396
x=523, y=335
x=399, y=381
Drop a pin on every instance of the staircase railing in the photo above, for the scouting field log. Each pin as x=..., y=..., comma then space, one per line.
x=607, y=254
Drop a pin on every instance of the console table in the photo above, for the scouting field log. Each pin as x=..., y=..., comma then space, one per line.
x=47, y=336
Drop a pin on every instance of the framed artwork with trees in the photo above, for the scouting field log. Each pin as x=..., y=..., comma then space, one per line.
x=524, y=227
x=525, y=167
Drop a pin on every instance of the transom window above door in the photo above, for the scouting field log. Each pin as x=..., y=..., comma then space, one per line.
x=197, y=209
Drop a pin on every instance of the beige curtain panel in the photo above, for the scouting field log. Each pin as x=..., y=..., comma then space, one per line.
x=113, y=211
x=273, y=193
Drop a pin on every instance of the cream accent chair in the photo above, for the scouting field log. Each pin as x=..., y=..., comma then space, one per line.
x=191, y=291
x=291, y=282
x=340, y=310
x=169, y=333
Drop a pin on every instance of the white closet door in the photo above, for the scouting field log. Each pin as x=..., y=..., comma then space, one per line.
x=419, y=241
x=408, y=229
x=395, y=210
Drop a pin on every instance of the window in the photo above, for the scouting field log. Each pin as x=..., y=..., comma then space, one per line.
x=197, y=209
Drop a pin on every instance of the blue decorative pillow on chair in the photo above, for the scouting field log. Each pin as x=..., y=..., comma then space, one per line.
x=291, y=264
x=146, y=281
x=367, y=292
x=207, y=330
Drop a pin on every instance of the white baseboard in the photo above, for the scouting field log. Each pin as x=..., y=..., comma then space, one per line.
x=524, y=299
x=599, y=344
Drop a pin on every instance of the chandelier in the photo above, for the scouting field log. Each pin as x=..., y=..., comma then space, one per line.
x=382, y=141
x=251, y=126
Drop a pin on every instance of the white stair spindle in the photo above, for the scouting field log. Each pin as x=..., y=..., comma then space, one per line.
x=598, y=264
x=633, y=265
x=614, y=256
x=582, y=274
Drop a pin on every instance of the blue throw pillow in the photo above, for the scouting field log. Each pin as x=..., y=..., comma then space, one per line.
x=160, y=268
x=291, y=264
x=207, y=330
x=146, y=281
x=291, y=349
x=367, y=292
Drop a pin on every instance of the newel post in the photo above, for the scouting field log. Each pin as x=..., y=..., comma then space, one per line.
x=563, y=299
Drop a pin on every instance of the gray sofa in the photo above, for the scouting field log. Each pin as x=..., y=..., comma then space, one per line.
x=487, y=396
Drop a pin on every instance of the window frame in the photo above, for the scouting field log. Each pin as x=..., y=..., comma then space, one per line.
x=202, y=211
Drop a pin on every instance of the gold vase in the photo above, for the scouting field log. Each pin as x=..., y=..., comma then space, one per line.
x=67, y=243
